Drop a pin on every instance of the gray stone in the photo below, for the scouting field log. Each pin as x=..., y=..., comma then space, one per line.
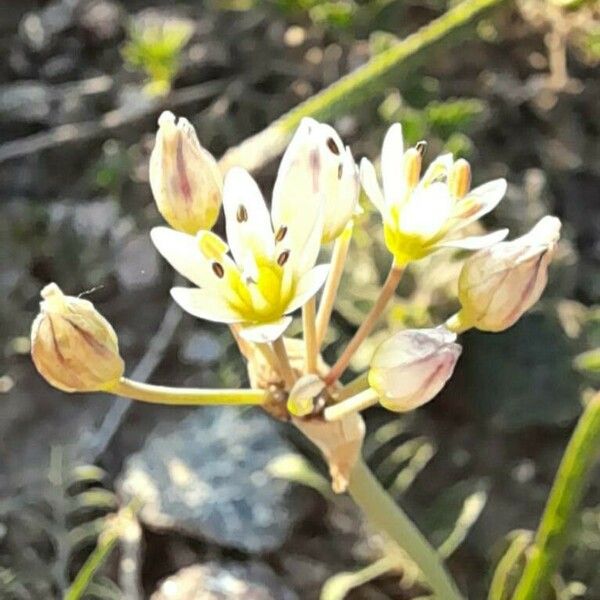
x=202, y=348
x=228, y=581
x=25, y=102
x=137, y=263
x=207, y=479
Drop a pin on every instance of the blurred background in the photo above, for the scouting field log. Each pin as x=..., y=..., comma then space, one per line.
x=235, y=503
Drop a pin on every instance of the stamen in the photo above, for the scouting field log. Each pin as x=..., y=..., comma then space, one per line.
x=218, y=270
x=241, y=214
x=412, y=167
x=421, y=147
x=460, y=178
x=283, y=258
x=340, y=170
x=281, y=233
x=333, y=146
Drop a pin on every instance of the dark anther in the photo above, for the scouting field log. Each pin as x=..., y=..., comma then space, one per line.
x=340, y=170
x=333, y=146
x=280, y=233
x=421, y=147
x=242, y=214
x=283, y=258
x=218, y=270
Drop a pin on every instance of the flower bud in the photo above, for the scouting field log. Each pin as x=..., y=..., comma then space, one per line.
x=185, y=178
x=412, y=366
x=73, y=346
x=500, y=283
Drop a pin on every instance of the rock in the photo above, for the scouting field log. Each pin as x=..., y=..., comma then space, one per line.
x=207, y=479
x=102, y=20
x=228, y=581
x=39, y=29
x=59, y=69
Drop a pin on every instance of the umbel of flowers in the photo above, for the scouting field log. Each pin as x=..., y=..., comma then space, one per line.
x=269, y=267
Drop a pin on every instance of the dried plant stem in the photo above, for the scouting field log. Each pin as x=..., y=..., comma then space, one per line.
x=387, y=291
x=269, y=355
x=381, y=510
x=285, y=368
x=244, y=347
x=160, y=394
x=311, y=348
x=552, y=536
x=338, y=260
x=355, y=403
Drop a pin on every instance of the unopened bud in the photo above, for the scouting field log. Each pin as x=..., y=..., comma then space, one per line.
x=460, y=178
x=73, y=346
x=412, y=366
x=413, y=160
x=304, y=395
x=185, y=178
x=500, y=283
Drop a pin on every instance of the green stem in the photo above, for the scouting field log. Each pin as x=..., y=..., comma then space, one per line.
x=160, y=394
x=351, y=90
x=387, y=516
x=552, y=536
x=357, y=385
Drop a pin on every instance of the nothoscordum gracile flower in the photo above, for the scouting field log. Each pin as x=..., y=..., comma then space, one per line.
x=73, y=346
x=271, y=274
x=411, y=367
x=421, y=215
x=407, y=370
x=498, y=284
x=184, y=177
x=316, y=170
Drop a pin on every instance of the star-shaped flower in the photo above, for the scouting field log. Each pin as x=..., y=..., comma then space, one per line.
x=421, y=215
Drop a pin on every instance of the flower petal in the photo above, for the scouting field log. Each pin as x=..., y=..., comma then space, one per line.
x=205, y=304
x=182, y=253
x=476, y=242
x=437, y=171
x=368, y=178
x=427, y=211
x=308, y=286
x=247, y=219
x=392, y=153
x=479, y=202
x=266, y=332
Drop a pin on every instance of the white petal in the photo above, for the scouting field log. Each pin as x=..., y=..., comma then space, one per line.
x=265, y=333
x=427, y=211
x=486, y=197
x=340, y=196
x=476, y=242
x=392, y=153
x=308, y=286
x=368, y=178
x=296, y=194
x=205, y=304
x=182, y=252
x=247, y=220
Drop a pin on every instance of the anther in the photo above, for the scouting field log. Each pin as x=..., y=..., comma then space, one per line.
x=281, y=232
x=241, y=214
x=218, y=270
x=421, y=147
x=283, y=258
x=340, y=170
x=333, y=146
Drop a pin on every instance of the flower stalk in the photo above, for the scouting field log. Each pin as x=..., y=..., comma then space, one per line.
x=552, y=536
x=338, y=261
x=285, y=368
x=386, y=293
x=381, y=510
x=160, y=394
x=363, y=400
x=310, y=336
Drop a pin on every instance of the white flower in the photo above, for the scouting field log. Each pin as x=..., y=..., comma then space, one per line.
x=184, y=177
x=316, y=169
x=498, y=284
x=412, y=366
x=270, y=273
x=421, y=215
